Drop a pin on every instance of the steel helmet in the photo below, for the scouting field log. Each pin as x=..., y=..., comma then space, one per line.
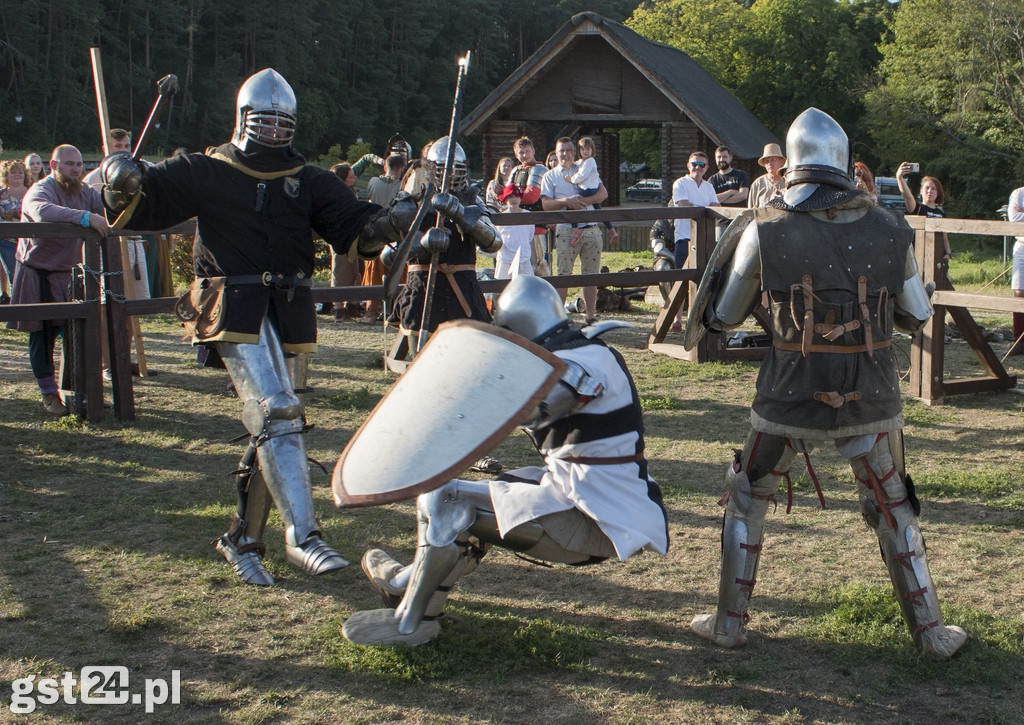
x=266, y=112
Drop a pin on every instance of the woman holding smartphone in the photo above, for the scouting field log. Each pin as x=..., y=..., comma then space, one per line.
x=932, y=198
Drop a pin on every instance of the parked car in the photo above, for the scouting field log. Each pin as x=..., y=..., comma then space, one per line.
x=889, y=194
x=646, y=190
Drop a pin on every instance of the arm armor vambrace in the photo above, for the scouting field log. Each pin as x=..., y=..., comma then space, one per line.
x=913, y=306
x=570, y=394
x=476, y=222
x=740, y=284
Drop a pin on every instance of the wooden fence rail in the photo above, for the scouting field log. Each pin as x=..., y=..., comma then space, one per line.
x=927, y=376
x=927, y=351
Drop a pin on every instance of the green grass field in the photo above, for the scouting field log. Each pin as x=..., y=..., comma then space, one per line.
x=106, y=559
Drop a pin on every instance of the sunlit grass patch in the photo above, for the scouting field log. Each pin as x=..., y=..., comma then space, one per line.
x=869, y=616
x=659, y=402
x=472, y=644
x=916, y=413
x=986, y=485
x=67, y=423
x=857, y=613
x=348, y=399
x=683, y=371
x=131, y=616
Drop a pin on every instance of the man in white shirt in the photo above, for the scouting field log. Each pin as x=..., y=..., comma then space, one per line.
x=557, y=194
x=691, y=190
x=1015, y=213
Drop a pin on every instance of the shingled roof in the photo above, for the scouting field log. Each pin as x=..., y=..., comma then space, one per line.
x=545, y=89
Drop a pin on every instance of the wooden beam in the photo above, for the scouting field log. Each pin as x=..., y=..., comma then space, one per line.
x=118, y=327
x=966, y=226
x=979, y=385
x=951, y=298
x=101, y=97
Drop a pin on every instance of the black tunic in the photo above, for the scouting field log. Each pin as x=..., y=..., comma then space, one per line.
x=445, y=304
x=254, y=214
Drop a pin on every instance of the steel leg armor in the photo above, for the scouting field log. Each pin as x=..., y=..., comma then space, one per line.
x=456, y=527
x=273, y=414
x=888, y=508
x=768, y=458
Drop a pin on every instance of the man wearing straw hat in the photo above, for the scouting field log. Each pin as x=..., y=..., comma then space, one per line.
x=767, y=187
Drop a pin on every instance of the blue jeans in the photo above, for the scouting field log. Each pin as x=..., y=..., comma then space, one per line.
x=40, y=349
x=682, y=252
x=7, y=249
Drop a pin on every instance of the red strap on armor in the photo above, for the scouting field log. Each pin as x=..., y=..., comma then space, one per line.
x=915, y=597
x=881, y=499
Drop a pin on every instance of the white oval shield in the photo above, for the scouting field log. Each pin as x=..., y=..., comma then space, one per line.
x=463, y=394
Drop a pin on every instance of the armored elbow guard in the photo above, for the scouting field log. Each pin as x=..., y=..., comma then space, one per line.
x=476, y=222
x=913, y=306
x=576, y=388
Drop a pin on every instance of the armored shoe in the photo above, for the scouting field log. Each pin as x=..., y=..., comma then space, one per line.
x=943, y=642
x=245, y=560
x=487, y=464
x=380, y=627
x=704, y=625
x=380, y=569
x=314, y=556
x=54, y=405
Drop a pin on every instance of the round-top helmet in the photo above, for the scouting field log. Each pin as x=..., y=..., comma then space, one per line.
x=819, y=151
x=437, y=155
x=531, y=307
x=398, y=145
x=266, y=112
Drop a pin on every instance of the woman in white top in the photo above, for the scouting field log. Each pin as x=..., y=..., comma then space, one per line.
x=496, y=185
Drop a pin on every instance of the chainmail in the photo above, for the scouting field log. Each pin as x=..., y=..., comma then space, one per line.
x=824, y=197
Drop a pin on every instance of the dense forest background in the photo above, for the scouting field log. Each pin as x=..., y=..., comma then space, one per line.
x=940, y=82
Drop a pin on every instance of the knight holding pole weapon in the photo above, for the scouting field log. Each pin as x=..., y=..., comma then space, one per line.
x=442, y=283
x=257, y=203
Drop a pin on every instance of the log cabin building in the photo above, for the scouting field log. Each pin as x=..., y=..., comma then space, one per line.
x=594, y=77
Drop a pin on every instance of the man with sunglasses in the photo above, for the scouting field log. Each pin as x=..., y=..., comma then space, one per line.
x=691, y=190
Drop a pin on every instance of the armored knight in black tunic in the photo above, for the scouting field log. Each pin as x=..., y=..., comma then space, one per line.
x=257, y=204
x=468, y=225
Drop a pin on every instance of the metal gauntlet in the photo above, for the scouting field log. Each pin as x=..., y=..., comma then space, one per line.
x=387, y=225
x=481, y=229
x=472, y=220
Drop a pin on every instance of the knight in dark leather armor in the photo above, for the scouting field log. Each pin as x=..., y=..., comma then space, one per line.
x=839, y=276
x=467, y=226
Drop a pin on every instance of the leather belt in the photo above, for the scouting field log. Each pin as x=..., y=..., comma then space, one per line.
x=597, y=461
x=838, y=349
x=268, y=278
x=443, y=267
x=448, y=270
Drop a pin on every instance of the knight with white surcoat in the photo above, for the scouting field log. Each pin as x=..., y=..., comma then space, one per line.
x=591, y=499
